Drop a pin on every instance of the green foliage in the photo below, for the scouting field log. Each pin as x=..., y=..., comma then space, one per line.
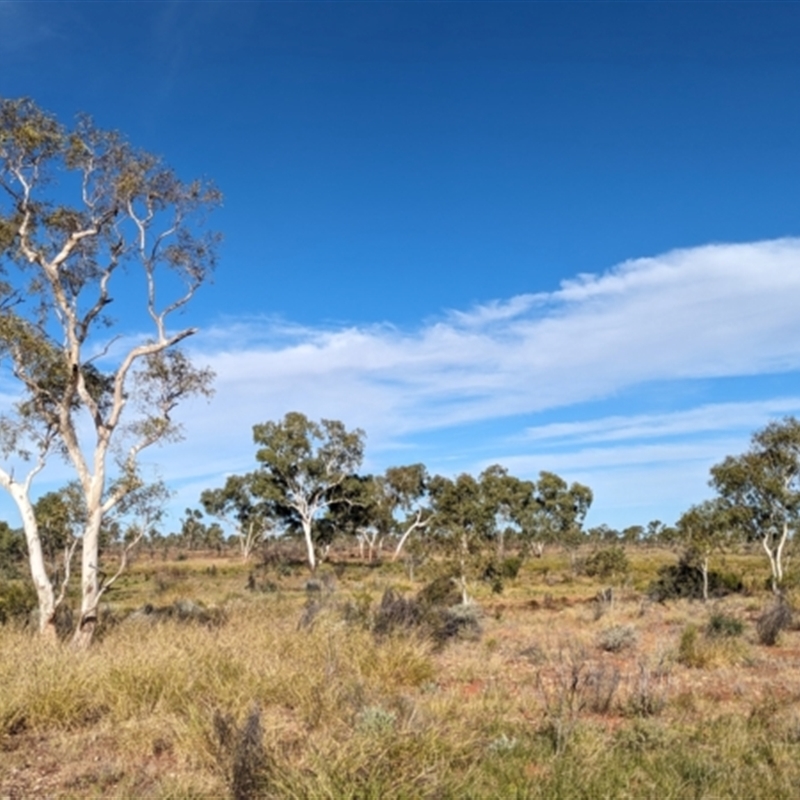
x=17, y=601
x=689, y=652
x=607, y=562
x=558, y=511
x=722, y=625
x=116, y=214
x=685, y=580
x=237, y=503
x=197, y=534
x=13, y=551
x=303, y=466
x=761, y=489
x=708, y=527
x=441, y=591
x=375, y=721
x=497, y=573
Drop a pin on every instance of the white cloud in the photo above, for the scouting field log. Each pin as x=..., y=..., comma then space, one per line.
x=703, y=419
x=712, y=311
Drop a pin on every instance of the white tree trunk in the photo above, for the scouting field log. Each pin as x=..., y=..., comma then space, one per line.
x=463, y=570
x=312, y=556
x=704, y=569
x=248, y=540
x=417, y=523
x=91, y=589
x=45, y=593
x=775, y=556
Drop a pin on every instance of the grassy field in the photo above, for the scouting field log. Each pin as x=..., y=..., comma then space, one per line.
x=285, y=690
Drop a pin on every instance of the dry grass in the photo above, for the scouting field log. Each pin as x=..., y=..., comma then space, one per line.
x=535, y=708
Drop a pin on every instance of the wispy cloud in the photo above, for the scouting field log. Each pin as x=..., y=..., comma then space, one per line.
x=709, y=418
x=714, y=311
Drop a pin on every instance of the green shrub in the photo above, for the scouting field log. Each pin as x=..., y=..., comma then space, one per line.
x=685, y=580
x=17, y=601
x=722, y=625
x=607, y=562
x=12, y=552
x=441, y=591
x=375, y=721
x=496, y=573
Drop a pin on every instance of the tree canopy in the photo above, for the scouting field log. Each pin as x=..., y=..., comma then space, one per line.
x=762, y=489
x=303, y=465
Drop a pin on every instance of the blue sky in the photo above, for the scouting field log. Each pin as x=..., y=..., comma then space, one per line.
x=556, y=236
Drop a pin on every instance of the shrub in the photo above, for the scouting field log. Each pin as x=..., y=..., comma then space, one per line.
x=12, y=552
x=772, y=621
x=511, y=566
x=358, y=609
x=616, y=638
x=375, y=721
x=722, y=625
x=437, y=622
x=685, y=580
x=17, y=601
x=702, y=651
x=396, y=613
x=441, y=591
x=456, y=622
x=602, y=682
x=607, y=562
x=569, y=685
x=495, y=573
x=602, y=602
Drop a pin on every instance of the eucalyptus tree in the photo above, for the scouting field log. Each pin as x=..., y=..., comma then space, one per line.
x=558, y=511
x=237, y=504
x=509, y=500
x=303, y=466
x=195, y=533
x=462, y=519
x=85, y=218
x=762, y=489
x=361, y=508
x=705, y=529
x=407, y=489
x=375, y=507
x=59, y=516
